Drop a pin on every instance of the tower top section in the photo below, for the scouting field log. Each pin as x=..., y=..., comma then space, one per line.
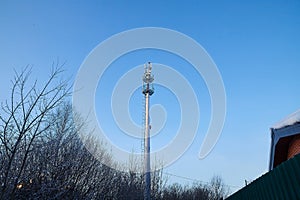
x=148, y=79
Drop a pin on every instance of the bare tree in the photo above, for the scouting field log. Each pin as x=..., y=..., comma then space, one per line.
x=22, y=121
x=215, y=190
x=218, y=190
x=61, y=167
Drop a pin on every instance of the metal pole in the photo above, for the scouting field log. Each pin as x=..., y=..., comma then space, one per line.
x=147, y=191
x=147, y=91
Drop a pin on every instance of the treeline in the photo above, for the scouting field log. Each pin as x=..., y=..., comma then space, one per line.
x=42, y=156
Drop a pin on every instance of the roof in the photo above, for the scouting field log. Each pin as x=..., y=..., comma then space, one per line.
x=283, y=182
x=292, y=119
x=281, y=138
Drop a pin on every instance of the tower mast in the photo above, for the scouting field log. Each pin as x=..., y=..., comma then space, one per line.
x=147, y=91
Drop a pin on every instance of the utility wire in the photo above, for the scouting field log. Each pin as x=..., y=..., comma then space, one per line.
x=196, y=180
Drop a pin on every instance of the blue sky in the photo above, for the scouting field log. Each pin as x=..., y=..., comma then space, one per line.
x=255, y=45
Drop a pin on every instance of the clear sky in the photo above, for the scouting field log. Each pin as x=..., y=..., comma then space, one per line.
x=255, y=46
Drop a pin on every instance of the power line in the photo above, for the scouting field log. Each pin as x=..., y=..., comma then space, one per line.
x=196, y=180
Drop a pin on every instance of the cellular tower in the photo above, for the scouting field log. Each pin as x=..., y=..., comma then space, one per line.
x=147, y=91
